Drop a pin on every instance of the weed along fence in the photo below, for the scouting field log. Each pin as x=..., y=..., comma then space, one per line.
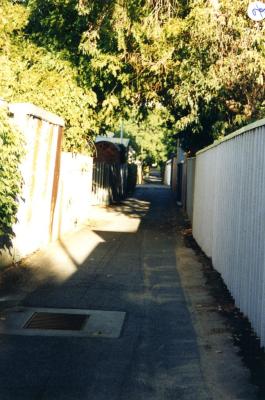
x=229, y=216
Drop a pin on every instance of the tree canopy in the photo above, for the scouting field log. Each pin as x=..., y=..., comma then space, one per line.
x=192, y=69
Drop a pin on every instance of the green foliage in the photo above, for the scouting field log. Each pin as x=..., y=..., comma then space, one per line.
x=56, y=24
x=96, y=61
x=221, y=73
x=148, y=136
x=11, y=152
x=31, y=73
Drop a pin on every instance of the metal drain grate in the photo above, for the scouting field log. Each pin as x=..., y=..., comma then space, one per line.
x=62, y=322
x=56, y=321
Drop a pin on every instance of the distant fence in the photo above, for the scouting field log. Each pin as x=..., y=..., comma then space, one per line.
x=168, y=173
x=101, y=184
x=181, y=177
x=190, y=165
x=112, y=182
x=229, y=215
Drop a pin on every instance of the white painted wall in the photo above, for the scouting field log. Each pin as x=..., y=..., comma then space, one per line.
x=74, y=197
x=42, y=133
x=57, y=187
x=229, y=215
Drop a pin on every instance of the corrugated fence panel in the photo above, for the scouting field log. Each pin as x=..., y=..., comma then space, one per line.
x=204, y=205
x=191, y=164
x=229, y=215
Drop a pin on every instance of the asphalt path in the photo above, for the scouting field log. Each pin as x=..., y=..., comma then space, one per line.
x=132, y=270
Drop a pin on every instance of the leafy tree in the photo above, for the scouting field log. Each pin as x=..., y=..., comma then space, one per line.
x=202, y=60
x=223, y=70
x=148, y=136
x=31, y=73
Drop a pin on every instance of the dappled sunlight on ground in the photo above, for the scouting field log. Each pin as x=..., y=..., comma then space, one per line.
x=60, y=260
x=123, y=217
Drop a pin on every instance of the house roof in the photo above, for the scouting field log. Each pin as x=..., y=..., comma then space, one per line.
x=117, y=141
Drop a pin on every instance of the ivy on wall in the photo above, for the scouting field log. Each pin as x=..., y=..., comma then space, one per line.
x=11, y=153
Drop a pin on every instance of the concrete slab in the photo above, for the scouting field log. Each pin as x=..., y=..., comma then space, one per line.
x=105, y=324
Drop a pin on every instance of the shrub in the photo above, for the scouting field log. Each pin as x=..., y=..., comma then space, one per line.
x=11, y=153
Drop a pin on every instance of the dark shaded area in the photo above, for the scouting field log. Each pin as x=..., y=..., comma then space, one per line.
x=60, y=321
x=56, y=25
x=6, y=240
x=243, y=335
x=199, y=135
x=132, y=178
x=110, y=153
x=116, y=180
x=156, y=356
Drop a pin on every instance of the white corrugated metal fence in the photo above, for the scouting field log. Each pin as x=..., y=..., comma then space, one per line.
x=229, y=216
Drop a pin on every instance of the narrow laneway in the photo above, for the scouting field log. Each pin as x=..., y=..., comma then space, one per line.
x=133, y=266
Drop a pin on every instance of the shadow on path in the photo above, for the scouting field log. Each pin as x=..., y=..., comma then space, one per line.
x=156, y=356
